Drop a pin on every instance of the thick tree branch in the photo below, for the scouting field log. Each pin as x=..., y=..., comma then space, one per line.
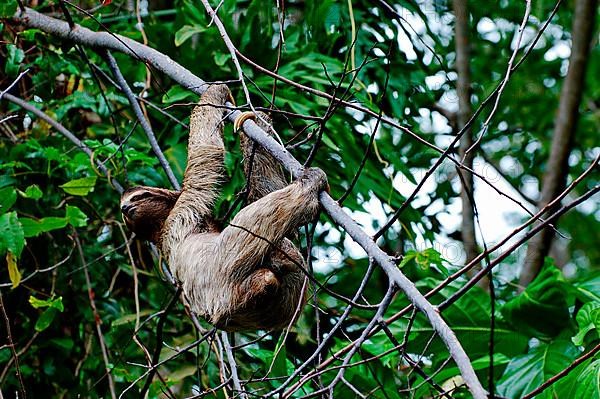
x=188, y=80
x=557, y=167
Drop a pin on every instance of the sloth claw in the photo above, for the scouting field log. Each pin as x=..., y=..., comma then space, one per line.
x=315, y=177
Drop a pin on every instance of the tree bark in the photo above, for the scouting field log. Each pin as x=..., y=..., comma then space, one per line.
x=565, y=126
x=463, y=90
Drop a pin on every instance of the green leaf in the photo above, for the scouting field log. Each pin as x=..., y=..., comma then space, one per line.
x=176, y=94
x=8, y=8
x=186, y=32
x=33, y=192
x=13, y=61
x=55, y=303
x=32, y=227
x=8, y=197
x=588, y=319
x=45, y=319
x=13, y=271
x=75, y=217
x=582, y=382
x=221, y=58
x=182, y=372
x=542, y=308
x=407, y=258
x=425, y=260
x=77, y=100
x=11, y=234
x=29, y=34
x=63, y=343
x=526, y=372
x=81, y=187
x=588, y=289
x=130, y=318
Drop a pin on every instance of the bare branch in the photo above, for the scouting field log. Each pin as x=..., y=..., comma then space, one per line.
x=232, y=365
x=11, y=344
x=230, y=46
x=112, y=63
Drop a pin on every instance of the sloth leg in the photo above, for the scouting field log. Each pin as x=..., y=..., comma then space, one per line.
x=257, y=228
x=264, y=173
x=204, y=169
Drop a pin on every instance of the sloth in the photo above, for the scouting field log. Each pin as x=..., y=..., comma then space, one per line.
x=247, y=275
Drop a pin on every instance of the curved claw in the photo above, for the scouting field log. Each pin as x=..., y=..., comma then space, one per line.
x=243, y=117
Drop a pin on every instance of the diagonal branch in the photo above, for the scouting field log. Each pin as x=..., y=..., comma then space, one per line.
x=40, y=114
x=112, y=63
x=215, y=18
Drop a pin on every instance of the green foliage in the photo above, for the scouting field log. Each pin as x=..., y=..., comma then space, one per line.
x=8, y=8
x=528, y=371
x=542, y=308
x=582, y=382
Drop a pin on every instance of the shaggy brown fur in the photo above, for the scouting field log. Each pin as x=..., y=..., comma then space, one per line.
x=247, y=275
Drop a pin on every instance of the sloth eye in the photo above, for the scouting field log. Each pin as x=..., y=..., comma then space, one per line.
x=138, y=197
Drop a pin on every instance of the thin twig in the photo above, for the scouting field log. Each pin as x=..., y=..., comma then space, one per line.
x=509, y=68
x=232, y=50
x=567, y=370
x=177, y=353
x=159, y=341
x=97, y=319
x=232, y=365
x=11, y=344
x=413, y=364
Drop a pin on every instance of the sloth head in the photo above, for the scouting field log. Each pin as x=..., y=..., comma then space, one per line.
x=145, y=210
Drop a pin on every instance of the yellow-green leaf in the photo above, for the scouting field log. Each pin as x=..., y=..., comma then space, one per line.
x=81, y=187
x=75, y=216
x=186, y=32
x=53, y=302
x=13, y=271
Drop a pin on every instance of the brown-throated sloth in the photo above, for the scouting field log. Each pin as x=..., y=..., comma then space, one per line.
x=247, y=275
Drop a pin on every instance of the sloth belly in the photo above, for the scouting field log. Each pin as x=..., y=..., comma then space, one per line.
x=265, y=296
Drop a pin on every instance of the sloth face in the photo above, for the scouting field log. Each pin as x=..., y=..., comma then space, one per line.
x=145, y=210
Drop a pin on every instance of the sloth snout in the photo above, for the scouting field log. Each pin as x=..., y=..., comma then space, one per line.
x=127, y=208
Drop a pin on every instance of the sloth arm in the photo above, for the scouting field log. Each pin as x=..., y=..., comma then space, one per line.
x=204, y=170
x=253, y=232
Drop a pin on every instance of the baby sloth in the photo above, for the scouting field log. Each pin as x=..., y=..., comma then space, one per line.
x=247, y=275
